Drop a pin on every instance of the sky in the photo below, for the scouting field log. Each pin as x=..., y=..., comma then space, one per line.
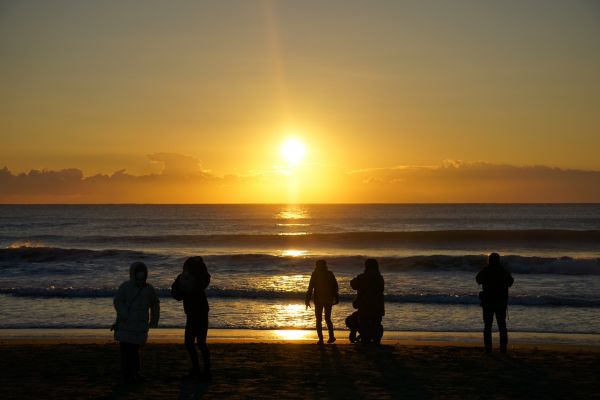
x=393, y=101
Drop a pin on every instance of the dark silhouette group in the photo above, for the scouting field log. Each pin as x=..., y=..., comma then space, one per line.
x=136, y=298
x=369, y=301
x=138, y=309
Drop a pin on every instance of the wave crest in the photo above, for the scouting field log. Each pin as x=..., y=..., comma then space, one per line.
x=420, y=298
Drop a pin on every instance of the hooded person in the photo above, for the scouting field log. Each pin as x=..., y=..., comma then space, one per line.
x=138, y=309
x=369, y=301
x=495, y=281
x=325, y=288
x=190, y=287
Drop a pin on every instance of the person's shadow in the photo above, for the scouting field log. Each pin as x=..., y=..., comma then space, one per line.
x=191, y=389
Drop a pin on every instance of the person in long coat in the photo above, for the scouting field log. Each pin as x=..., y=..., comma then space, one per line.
x=138, y=309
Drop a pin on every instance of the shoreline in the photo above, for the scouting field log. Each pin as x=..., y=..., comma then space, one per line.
x=555, y=341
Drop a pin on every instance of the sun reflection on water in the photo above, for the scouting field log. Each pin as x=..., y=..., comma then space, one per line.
x=282, y=224
x=293, y=334
x=292, y=315
x=293, y=212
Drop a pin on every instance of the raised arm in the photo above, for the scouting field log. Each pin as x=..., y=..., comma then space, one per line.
x=176, y=289
x=205, y=281
x=480, y=277
x=509, y=279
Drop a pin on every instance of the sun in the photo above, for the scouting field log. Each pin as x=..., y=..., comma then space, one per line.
x=293, y=151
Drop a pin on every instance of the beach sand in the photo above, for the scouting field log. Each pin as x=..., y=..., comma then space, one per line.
x=282, y=370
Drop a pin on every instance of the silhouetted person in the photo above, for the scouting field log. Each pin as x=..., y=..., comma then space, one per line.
x=495, y=280
x=190, y=286
x=138, y=309
x=370, y=302
x=325, y=288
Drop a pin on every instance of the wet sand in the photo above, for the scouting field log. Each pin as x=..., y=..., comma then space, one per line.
x=50, y=370
x=174, y=335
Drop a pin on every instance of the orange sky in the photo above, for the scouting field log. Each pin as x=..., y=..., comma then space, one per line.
x=395, y=101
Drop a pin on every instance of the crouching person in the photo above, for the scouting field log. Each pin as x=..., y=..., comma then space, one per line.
x=370, y=302
x=138, y=309
x=353, y=324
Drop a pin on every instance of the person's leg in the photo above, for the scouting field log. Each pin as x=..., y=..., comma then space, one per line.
x=378, y=333
x=501, y=321
x=365, y=329
x=329, y=323
x=190, y=337
x=351, y=323
x=488, y=319
x=202, y=334
x=352, y=336
x=128, y=365
x=135, y=359
x=125, y=370
x=319, y=318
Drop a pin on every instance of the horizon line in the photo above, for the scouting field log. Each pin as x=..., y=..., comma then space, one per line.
x=297, y=204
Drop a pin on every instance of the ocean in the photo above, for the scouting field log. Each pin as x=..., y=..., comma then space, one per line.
x=60, y=265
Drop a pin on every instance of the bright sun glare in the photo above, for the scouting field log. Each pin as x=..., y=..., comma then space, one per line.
x=293, y=151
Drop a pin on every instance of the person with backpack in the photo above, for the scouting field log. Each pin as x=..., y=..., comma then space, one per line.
x=323, y=288
x=138, y=309
x=495, y=281
x=190, y=287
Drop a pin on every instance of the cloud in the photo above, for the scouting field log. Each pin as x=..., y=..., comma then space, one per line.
x=180, y=174
x=183, y=180
x=179, y=166
x=457, y=181
x=66, y=181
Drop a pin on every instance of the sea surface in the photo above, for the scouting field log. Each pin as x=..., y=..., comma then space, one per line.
x=60, y=265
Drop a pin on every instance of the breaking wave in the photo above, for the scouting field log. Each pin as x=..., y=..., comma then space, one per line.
x=420, y=298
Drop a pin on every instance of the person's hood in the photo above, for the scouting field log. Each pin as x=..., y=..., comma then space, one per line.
x=494, y=266
x=372, y=272
x=136, y=267
x=321, y=269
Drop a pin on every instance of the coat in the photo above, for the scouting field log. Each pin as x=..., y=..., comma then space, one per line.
x=325, y=288
x=495, y=280
x=369, y=300
x=191, y=290
x=138, y=309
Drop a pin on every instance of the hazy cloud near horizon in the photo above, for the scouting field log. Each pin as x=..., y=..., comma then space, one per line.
x=184, y=180
x=483, y=182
